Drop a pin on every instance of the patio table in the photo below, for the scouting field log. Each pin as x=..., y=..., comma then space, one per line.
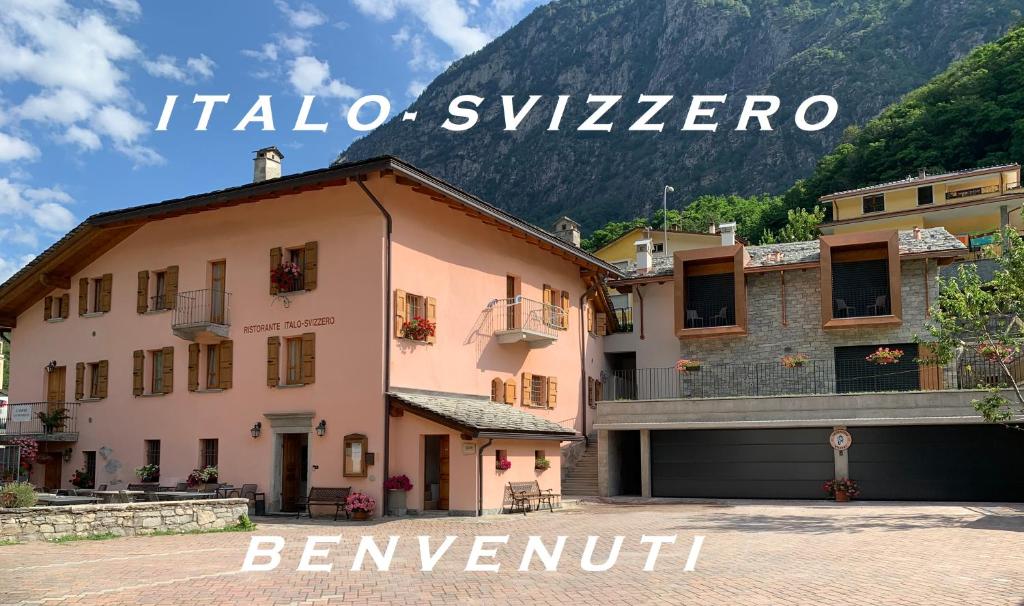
x=52, y=499
x=224, y=492
x=174, y=495
x=108, y=495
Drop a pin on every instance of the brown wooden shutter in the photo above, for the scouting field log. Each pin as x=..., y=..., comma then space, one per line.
x=590, y=316
x=275, y=262
x=591, y=387
x=310, y=269
x=227, y=363
x=103, y=367
x=510, y=391
x=65, y=305
x=527, y=384
x=497, y=390
x=168, y=354
x=83, y=296
x=601, y=324
x=401, y=311
x=142, y=293
x=138, y=368
x=79, y=380
x=565, y=309
x=308, y=358
x=547, y=303
x=193, y=366
x=432, y=318
x=106, y=291
x=273, y=361
x=48, y=308
x=552, y=392
x=171, y=287
x=598, y=391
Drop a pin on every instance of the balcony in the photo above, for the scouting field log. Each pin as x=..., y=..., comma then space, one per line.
x=40, y=421
x=973, y=191
x=623, y=320
x=520, y=320
x=202, y=316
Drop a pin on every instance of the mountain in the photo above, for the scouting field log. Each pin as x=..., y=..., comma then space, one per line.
x=866, y=53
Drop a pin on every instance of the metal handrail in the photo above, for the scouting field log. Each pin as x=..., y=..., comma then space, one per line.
x=206, y=306
x=35, y=426
x=519, y=313
x=972, y=191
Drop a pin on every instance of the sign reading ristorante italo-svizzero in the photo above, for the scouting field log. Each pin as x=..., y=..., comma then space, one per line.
x=296, y=324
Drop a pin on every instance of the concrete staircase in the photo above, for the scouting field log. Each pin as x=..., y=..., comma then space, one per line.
x=581, y=480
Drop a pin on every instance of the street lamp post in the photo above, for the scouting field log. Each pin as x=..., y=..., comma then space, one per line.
x=664, y=217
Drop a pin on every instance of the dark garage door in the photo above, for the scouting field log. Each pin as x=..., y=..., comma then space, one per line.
x=941, y=463
x=741, y=463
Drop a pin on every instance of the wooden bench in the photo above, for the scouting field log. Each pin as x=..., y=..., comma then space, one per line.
x=321, y=495
x=522, y=496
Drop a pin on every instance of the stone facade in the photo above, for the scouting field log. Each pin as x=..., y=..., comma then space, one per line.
x=48, y=523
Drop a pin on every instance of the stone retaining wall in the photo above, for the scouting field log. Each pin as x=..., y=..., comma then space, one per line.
x=129, y=519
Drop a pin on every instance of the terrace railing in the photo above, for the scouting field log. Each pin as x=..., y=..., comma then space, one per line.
x=525, y=315
x=973, y=191
x=623, y=319
x=23, y=419
x=200, y=307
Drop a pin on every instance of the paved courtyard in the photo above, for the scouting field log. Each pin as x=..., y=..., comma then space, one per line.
x=753, y=553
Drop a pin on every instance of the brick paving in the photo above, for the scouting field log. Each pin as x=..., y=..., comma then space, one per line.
x=753, y=553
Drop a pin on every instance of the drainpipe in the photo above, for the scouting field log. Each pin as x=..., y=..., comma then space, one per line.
x=583, y=361
x=387, y=335
x=640, y=297
x=480, y=477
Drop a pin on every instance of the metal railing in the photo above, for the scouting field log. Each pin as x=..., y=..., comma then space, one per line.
x=623, y=319
x=815, y=377
x=199, y=307
x=973, y=191
x=525, y=314
x=54, y=422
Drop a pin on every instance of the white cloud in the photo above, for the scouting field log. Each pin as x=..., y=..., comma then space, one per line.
x=45, y=207
x=201, y=65
x=445, y=19
x=296, y=45
x=13, y=148
x=82, y=137
x=64, y=106
x=416, y=88
x=304, y=17
x=118, y=124
x=53, y=217
x=130, y=8
x=267, y=52
x=10, y=265
x=166, y=66
x=310, y=76
x=141, y=155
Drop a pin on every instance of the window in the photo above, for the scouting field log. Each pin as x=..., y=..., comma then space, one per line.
x=556, y=307
x=658, y=247
x=153, y=452
x=152, y=370
x=56, y=307
x=304, y=257
x=298, y=257
x=208, y=452
x=293, y=349
x=860, y=279
x=874, y=203
x=97, y=295
x=94, y=379
x=710, y=292
x=60, y=307
x=212, y=366
x=90, y=467
x=300, y=360
x=924, y=195
x=160, y=290
x=156, y=384
x=415, y=317
x=855, y=374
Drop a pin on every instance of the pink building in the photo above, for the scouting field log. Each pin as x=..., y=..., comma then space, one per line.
x=281, y=332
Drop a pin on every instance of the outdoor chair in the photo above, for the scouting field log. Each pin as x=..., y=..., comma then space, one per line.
x=101, y=487
x=879, y=307
x=844, y=310
x=694, y=319
x=123, y=497
x=258, y=499
x=181, y=487
x=721, y=318
x=153, y=496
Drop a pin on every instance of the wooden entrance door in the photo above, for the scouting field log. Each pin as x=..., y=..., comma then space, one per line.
x=513, y=288
x=292, y=445
x=445, y=476
x=51, y=471
x=55, y=389
x=218, y=286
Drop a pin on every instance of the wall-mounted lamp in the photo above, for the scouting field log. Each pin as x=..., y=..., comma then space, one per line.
x=67, y=455
x=321, y=428
x=256, y=429
x=52, y=366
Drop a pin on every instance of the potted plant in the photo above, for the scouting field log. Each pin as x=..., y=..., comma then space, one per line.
x=503, y=464
x=686, y=365
x=397, y=487
x=542, y=464
x=286, y=277
x=842, y=490
x=997, y=352
x=148, y=473
x=794, y=360
x=360, y=505
x=81, y=479
x=884, y=356
x=53, y=420
x=418, y=329
x=202, y=477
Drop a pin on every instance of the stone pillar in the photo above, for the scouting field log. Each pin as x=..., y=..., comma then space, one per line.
x=842, y=461
x=645, y=462
x=603, y=439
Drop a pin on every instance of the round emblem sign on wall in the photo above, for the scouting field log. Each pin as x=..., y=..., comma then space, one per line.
x=840, y=439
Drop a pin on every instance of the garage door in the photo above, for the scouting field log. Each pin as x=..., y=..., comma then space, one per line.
x=942, y=463
x=741, y=463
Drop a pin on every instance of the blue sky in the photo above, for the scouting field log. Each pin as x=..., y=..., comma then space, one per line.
x=82, y=85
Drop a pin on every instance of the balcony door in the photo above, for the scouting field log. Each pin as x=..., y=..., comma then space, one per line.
x=218, y=288
x=55, y=394
x=513, y=288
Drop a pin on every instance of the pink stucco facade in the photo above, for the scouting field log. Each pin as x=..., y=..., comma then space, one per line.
x=437, y=251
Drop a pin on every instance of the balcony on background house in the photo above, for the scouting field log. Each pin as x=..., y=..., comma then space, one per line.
x=202, y=316
x=623, y=320
x=520, y=320
x=39, y=421
x=972, y=191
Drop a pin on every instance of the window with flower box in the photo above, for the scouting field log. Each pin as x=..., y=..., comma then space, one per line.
x=415, y=317
x=208, y=452
x=152, y=452
x=294, y=269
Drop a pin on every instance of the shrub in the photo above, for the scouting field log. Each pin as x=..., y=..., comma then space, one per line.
x=18, y=494
x=401, y=482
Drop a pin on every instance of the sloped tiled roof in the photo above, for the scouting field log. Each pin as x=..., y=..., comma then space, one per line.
x=917, y=180
x=478, y=414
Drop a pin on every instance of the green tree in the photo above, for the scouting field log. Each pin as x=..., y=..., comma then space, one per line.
x=973, y=316
x=800, y=226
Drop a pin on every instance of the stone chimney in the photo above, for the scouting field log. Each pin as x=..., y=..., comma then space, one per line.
x=267, y=164
x=568, y=230
x=728, y=231
x=712, y=229
x=644, y=255
x=917, y=233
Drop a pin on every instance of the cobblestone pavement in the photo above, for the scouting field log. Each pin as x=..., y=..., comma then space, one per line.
x=753, y=553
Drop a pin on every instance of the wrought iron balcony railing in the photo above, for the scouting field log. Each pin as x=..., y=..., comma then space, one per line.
x=519, y=319
x=199, y=313
x=40, y=420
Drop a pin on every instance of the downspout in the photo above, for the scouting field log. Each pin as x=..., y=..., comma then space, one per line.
x=583, y=361
x=480, y=477
x=640, y=296
x=387, y=335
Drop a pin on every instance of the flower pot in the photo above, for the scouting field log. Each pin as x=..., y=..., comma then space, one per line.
x=842, y=496
x=396, y=503
x=360, y=515
x=695, y=368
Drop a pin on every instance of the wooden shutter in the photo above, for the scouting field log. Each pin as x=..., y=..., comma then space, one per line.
x=106, y=291
x=308, y=358
x=171, y=287
x=510, y=391
x=497, y=390
x=310, y=261
x=601, y=323
x=79, y=380
x=432, y=318
x=527, y=384
x=565, y=309
x=547, y=304
x=83, y=296
x=227, y=364
x=142, y=293
x=138, y=368
x=193, y=366
x=168, y=354
x=275, y=262
x=47, y=308
x=590, y=317
x=598, y=391
x=273, y=361
x=401, y=311
x=103, y=367
x=65, y=305
x=591, y=389
x=552, y=392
